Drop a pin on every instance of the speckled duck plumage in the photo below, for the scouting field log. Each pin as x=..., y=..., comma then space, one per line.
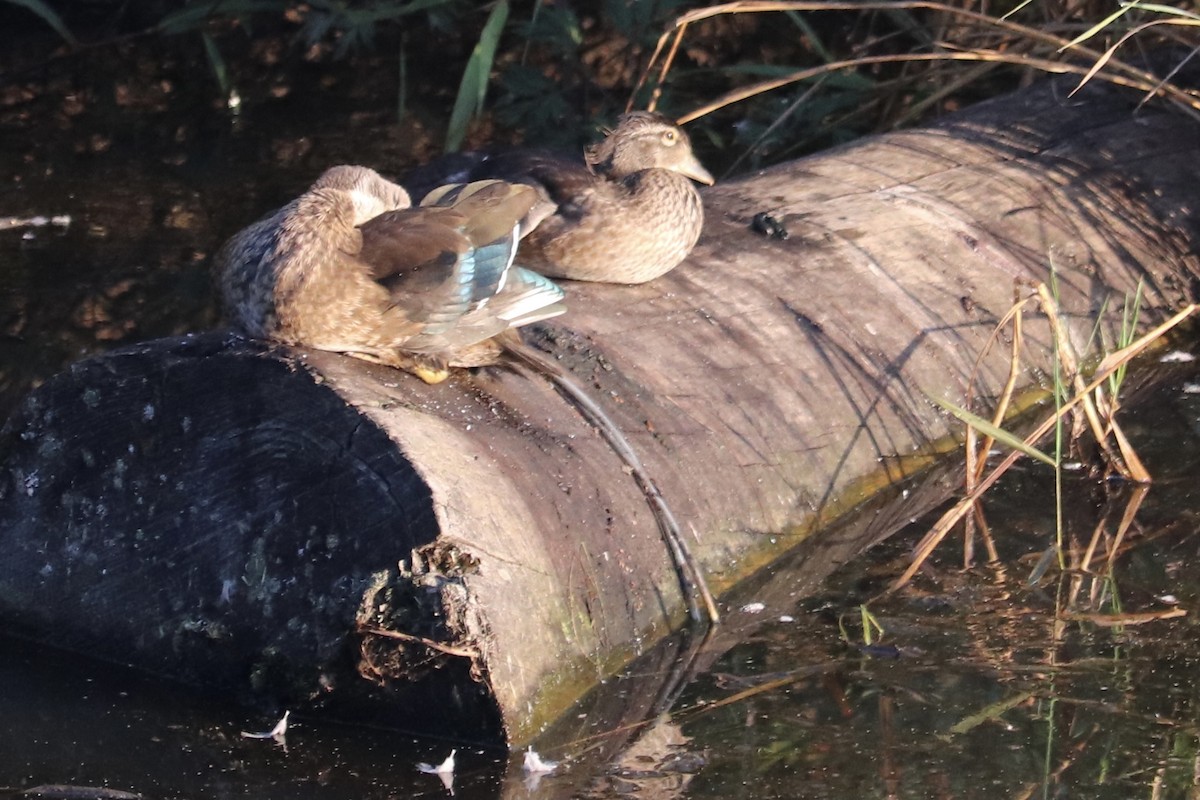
x=351, y=267
x=627, y=214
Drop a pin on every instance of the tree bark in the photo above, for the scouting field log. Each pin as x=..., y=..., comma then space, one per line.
x=472, y=554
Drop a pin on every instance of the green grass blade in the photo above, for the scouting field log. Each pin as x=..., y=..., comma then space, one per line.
x=999, y=434
x=391, y=11
x=475, y=77
x=1043, y=564
x=1099, y=26
x=1166, y=10
x=990, y=713
x=1016, y=9
x=870, y=625
x=220, y=71
x=814, y=38
x=193, y=17
x=48, y=15
x=1130, y=314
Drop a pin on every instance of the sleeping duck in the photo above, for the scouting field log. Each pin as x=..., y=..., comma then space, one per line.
x=627, y=213
x=350, y=267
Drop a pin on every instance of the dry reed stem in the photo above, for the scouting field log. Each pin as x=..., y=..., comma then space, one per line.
x=1126, y=462
x=985, y=532
x=972, y=465
x=1101, y=526
x=1121, y=620
x=1014, y=315
x=662, y=75
x=1113, y=550
x=976, y=452
x=1107, y=55
x=441, y=647
x=1010, y=385
x=1055, y=67
x=1108, y=366
x=1128, y=74
x=1131, y=509
x=1069, y=362
x=637, y=87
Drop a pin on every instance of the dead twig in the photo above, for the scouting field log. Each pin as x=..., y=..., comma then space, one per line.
x=1105, y=63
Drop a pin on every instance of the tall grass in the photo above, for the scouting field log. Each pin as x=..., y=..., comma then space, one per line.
x=1072, y=392
x=760, y=81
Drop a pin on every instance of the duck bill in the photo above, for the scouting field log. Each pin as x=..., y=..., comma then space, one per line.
x=693, y=169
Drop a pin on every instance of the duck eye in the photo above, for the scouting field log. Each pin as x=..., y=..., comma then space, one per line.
x=669, y=137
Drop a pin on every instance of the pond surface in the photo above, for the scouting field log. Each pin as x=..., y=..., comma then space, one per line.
x=985, y=683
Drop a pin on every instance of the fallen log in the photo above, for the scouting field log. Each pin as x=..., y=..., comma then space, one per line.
x=309, y=527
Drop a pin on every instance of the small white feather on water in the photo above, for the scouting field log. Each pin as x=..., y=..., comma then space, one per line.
x=278, y=732
x=536, y=765
x=444, y=768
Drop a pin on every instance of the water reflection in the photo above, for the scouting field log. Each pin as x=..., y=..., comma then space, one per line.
x=998, y=686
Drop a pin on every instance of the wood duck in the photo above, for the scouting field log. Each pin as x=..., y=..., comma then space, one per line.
x=350, y=267
x=628, y=214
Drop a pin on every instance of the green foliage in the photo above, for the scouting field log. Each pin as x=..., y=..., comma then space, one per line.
x=1130, y=314
x=556, y=27
x=537, y=98
x=358, y=25
x=870, y=627
x=641, y=22
x=217, y=64
x=194, y=17
x=353, y=25
x=561, y=69
x=48, y=15
x=476, y=76
x=530, y=100
x=999, y=434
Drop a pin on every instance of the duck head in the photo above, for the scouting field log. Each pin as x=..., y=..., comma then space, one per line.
x=645, y=140
x=370, y=192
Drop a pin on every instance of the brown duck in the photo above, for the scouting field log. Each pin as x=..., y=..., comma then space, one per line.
x=628, y=214
x=350, y=267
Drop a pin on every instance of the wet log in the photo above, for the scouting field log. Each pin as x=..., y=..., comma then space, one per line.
x=321, y=530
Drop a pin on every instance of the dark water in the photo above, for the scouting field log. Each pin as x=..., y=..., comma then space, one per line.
x=984, y=684
x=147, y=171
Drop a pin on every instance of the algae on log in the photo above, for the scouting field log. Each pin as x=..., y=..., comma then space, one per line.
x=473, y=554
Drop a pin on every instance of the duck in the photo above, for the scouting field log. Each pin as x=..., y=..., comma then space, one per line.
x=350, y=266
x=628, y=213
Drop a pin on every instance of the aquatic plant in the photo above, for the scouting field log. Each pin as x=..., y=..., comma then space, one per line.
x=1074, y=390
